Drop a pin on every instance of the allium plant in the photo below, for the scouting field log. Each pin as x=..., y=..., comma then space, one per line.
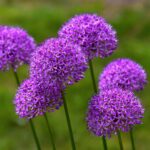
x=123, y=73
x=57, y=61
x=95, y=36
x=32, y=101
x=113, y=110
x=16, y=46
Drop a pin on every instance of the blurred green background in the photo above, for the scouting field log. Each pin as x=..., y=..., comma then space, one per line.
x=42, y=19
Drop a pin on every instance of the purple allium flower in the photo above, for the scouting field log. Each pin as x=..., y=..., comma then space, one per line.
x=113, y=110
x=95, y=36
x=123, y=73
x=58, y=61
x=32, y=101
x=16, y=47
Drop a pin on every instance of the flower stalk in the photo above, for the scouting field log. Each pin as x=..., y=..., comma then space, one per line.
x=132, y=139
x=68, y=122
x=34, y=135
x=120, y=140
x=50, y=132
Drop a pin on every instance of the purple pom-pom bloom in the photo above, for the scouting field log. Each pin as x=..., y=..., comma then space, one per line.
x=113, y=110
x=58, y=61
x=123, y=73
x=16, y=47
x=95, y=36
x=32, y=101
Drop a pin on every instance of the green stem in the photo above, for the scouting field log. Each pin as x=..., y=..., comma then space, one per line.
x=31, y=123
x=68, y=122
x=104, y=143
x=16, y=77
x=120, y=140
x=34, y=134
x=95, y=90
x=93, y=76
x=50, y=132
x=132, y=139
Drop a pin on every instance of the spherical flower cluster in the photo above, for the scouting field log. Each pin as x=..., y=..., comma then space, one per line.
x=113, y=110
x=123, y=73
x=16, y=47
x=58, y=61
x=32, y=101
x=95, y=36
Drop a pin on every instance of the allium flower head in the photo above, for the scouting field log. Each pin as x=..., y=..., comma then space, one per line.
x=16, y=47
x=31, y=100
x=92, y=33
x=123, y=73
x=113, y=110
x=58, y=61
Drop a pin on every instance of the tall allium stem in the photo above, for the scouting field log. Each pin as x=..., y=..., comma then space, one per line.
x=120, y=140
x=50, y=132
x=93, y=76
x=16, y=78
x=30, y=121
x=104, y=143
x=34, y=134
x=132, y=139
x=68, y=122
x=95, y=90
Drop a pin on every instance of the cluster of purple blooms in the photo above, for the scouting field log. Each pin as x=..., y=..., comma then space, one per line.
x=95, y=36
x=16, y=47
x=116, y=107
x=58, y=61
x=113, y=110
x=32, y=101
x=123, y=73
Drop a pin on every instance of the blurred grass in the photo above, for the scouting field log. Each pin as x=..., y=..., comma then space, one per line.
x=133, y=28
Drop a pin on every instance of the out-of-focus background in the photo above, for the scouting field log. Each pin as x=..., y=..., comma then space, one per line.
x=42, y=19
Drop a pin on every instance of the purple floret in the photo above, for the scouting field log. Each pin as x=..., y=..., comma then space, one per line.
x=95, y=36
x=31, y=100
x=59, y=62
x=16, y=47
x=113, y=110
x=123, y=73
